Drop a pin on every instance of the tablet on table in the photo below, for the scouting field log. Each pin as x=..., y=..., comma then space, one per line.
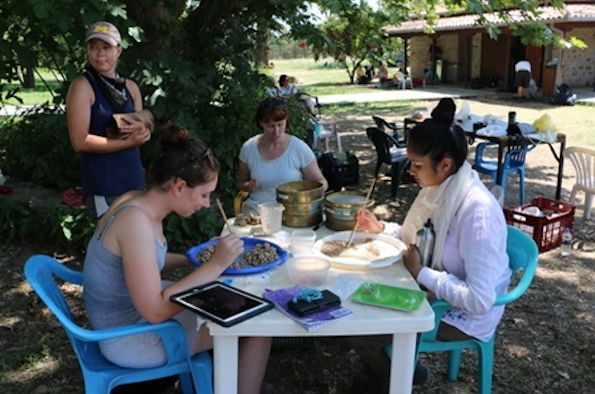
x=223, y=304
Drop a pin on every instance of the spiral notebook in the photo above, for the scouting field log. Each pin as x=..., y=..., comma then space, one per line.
x=311, y=322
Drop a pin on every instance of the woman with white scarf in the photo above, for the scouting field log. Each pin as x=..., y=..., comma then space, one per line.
x=469, y=267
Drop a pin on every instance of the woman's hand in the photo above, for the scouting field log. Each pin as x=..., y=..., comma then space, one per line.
x=133, y=127
x=251, y=185
x=412, y=261
x=227, y=250
x=367, y=221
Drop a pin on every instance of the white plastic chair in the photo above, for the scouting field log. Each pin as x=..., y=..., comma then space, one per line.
x=325, y=130
x=583, y=160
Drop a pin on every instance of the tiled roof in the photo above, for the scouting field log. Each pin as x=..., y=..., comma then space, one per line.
x=569, y=13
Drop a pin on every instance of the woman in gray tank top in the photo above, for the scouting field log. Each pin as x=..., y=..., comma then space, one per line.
x=122, y=269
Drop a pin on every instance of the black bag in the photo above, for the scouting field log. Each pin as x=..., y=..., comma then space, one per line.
x=563, y=95
x=339, y=168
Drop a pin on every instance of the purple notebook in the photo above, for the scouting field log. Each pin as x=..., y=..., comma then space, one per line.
x=311, y=322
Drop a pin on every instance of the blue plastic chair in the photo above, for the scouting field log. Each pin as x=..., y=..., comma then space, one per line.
x=522, y=255
x=100, y=375
x=514, y=161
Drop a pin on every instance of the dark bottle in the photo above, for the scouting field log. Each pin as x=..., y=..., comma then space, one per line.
x=427, y=238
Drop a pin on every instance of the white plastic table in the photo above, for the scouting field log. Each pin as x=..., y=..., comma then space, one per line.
x=366, y=320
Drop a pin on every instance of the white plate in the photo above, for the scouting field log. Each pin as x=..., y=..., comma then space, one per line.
x=391, y=251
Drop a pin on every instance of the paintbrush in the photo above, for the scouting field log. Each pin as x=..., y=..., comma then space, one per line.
x=224, y=216
x=363, y=206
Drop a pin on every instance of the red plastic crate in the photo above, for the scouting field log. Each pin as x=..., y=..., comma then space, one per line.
x=546, y=230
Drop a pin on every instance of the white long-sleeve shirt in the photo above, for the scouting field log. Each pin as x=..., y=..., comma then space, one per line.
x=475, y=265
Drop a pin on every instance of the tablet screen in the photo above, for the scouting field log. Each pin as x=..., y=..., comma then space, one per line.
x=221, y=303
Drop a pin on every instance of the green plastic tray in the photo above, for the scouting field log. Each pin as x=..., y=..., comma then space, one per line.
x=389, y=296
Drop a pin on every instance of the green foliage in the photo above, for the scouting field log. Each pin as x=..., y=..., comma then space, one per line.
x=36, y=148
x=182, y=233
x=54, y=225
x=351, y=36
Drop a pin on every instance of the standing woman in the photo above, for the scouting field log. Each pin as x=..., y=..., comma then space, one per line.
x=110, y=165
x=125, y=257
x=274, y=157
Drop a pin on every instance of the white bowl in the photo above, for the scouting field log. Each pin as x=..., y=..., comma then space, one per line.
x=307, y=270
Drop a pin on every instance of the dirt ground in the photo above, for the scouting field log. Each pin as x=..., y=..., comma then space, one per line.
x=544, y=344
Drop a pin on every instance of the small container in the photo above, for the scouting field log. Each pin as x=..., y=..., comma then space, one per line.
x=271, y=216
x=302, y=242
x=511, y=117
x=307, y=270
x=427, y=238
x=566, y=246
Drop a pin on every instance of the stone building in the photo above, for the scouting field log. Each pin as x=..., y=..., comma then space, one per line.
x=460, y=51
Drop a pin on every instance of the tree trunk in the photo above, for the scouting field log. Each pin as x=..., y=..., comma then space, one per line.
x=28, y=77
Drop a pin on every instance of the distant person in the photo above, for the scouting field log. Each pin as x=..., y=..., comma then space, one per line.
x=286, y=88
x=362, y=78
x=271, y=88
x=110, y=164
x=369, y=72
x=522, y=78
x=382, y=73
x=445, y=110
x=401, y=68
x=273, y=157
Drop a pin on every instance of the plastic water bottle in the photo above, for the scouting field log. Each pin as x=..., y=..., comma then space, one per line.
x=566, y=247
x=427, y=238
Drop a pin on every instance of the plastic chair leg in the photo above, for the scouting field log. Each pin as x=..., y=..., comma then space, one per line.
x=588, y=205
x=503, y=185
x=395, y=171
x=454, y=362
x=521, y=185
x=486, y=364
x=97, y=385
x=378, y=164
x=573, y=194
x=186, y=383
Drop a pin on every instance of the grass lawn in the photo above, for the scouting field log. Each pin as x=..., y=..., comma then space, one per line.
x=324, y=77
x=30, y=96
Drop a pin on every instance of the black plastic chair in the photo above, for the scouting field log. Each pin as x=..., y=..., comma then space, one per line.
x=398, y=131
x=383, y=143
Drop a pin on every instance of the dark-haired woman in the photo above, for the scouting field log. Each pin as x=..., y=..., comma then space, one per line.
x=469, y=268
x=125, y=257
x=110, y=166
x=273, y=157
x=445, y=110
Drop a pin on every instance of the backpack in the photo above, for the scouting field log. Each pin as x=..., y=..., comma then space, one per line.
x=339, y=169
x=563, y=95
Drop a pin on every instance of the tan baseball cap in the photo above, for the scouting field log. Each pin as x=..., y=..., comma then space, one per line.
x=104, y=31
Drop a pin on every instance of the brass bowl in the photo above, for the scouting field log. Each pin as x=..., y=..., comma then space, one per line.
x=302, y=220
x=303, y=209
x=299, y=192
x=302, y=201
x=340, y=209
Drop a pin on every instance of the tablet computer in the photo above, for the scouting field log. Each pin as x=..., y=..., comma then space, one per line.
x=221, y=303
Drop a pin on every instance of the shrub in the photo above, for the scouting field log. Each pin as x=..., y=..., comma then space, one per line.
x=35, y=147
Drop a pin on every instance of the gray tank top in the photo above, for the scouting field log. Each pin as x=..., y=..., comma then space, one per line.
x=107, y=300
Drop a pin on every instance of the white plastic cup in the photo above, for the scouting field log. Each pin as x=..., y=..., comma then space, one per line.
x=271, y=215
x=302, y=241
